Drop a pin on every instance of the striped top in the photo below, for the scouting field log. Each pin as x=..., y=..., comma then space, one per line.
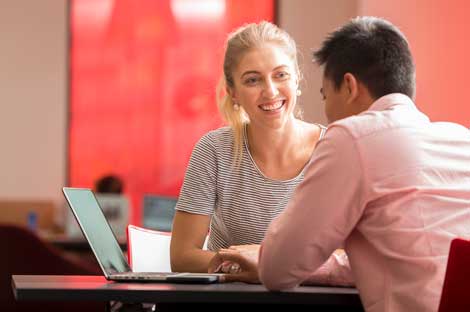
x=241, y=201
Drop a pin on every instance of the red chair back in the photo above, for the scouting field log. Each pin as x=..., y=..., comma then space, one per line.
x=24, y=253
x=455, y=291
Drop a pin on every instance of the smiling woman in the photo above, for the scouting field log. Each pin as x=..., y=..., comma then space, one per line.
x=241, y=177
x=245, y=66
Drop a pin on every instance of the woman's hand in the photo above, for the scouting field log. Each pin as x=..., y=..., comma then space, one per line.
x=240, y=263
x=249, y=251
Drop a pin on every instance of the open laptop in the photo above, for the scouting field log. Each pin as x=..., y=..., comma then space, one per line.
x=106, y=248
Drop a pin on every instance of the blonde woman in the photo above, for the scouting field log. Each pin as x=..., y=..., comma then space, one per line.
x=241, y=177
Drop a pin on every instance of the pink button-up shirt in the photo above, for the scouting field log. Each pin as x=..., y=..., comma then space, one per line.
x=391, y=187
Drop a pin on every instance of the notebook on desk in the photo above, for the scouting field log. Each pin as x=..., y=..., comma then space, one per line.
x=106, y=248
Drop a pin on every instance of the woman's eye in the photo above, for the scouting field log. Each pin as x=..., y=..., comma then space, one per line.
x=251, y=81
x=282, y=75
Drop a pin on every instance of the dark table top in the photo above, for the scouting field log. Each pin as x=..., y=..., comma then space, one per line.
x=97, y=288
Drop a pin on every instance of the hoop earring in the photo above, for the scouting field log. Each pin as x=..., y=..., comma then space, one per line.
x=298, y=92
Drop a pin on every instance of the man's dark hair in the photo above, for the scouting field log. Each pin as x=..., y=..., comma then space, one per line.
x=374, y=51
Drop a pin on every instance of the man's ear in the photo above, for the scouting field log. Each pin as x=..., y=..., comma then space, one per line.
x=352, y=86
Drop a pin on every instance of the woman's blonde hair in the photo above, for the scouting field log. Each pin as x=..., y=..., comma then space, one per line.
x=239, y=42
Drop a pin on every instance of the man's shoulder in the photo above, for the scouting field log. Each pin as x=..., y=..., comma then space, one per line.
x=451, y=128
x=386, y=114
x=359, y=125
x=383, y=122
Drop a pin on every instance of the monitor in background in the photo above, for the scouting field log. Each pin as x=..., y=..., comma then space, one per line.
x=158, y=212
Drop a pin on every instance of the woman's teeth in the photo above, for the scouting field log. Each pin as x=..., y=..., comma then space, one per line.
x=272, y=106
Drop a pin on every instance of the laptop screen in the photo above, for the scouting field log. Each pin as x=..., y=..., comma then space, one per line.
x=96, y=230
x=159, y=212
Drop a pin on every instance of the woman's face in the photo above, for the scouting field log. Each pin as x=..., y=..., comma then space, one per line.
x=265, y=85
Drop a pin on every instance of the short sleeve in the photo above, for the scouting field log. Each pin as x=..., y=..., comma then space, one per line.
x=198, y=193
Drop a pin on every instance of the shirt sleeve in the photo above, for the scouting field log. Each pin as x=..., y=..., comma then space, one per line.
x=325, y=208
x=198, y=193
x=334, y=272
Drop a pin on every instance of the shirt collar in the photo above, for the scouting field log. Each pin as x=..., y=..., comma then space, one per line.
x=388, y=101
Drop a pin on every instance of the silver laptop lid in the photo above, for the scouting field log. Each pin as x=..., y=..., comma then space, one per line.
x=97, y=231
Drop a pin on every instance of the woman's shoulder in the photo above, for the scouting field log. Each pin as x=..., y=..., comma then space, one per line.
x=313, y=130
x=219, y=135
x=218, y=139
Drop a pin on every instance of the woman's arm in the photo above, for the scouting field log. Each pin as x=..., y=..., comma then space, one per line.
x=196, y=204
x=187, y=239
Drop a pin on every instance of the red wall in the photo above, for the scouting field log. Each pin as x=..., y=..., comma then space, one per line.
x=143, y=77
x=438, y=34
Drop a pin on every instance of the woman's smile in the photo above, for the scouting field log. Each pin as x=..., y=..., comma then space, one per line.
x=273, y=106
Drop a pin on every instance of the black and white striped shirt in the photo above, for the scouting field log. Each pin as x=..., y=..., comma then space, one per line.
x=241, y=201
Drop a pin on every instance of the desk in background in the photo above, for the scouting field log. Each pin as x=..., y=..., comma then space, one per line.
x=97, y=288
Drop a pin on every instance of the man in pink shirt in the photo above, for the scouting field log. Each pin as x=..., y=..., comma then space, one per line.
x=390, y=186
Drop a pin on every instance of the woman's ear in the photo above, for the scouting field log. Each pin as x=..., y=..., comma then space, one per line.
x=299, y=80
x=352, y=86
x=230, y=92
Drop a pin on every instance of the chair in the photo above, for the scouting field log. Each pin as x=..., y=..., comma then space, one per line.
x=455, y=295
x=149, y=250
x=25, y=253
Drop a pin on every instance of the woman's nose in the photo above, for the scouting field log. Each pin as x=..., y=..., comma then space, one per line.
x=270, y=89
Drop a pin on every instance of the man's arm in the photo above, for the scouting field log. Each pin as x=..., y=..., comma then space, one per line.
x=325, y=208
